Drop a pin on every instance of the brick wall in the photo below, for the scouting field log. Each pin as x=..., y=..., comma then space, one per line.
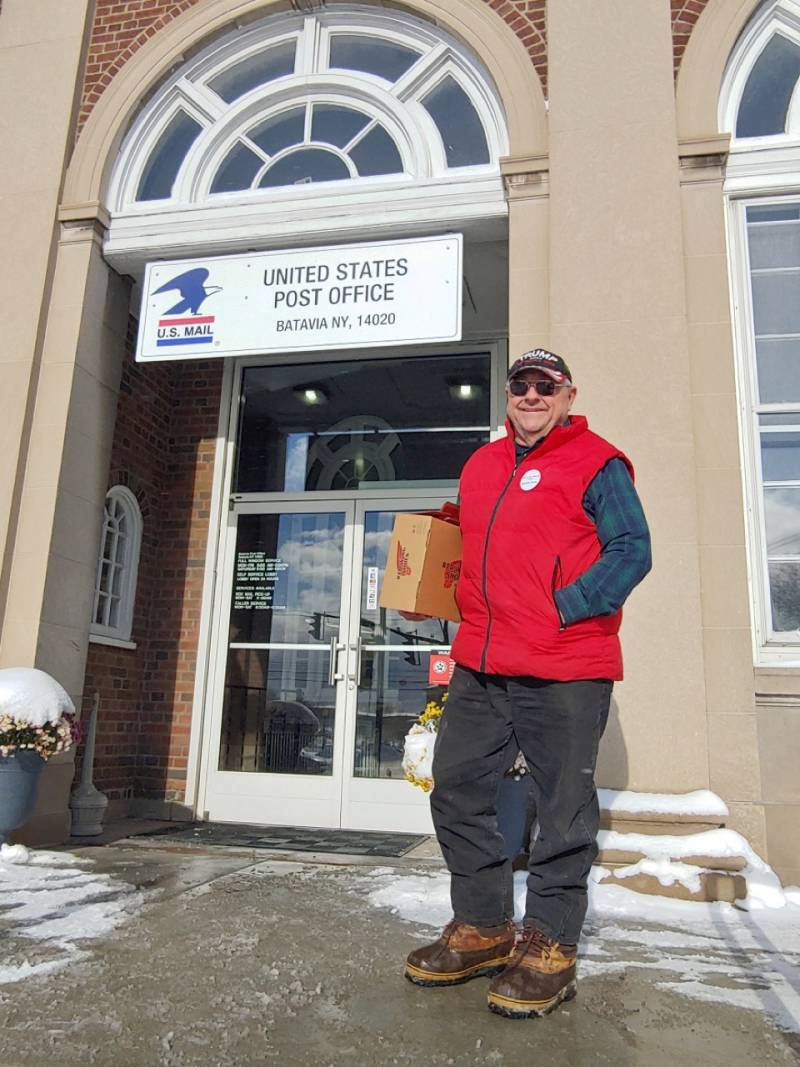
x=163, y=451
x=685, y=14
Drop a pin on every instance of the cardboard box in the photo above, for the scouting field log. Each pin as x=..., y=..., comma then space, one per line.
x=423, y=566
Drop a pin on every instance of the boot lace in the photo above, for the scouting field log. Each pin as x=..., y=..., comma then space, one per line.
x=536, y=942
x=449, y=930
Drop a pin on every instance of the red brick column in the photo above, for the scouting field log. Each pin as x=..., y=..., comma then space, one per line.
x=163, y=450
x=685, y=14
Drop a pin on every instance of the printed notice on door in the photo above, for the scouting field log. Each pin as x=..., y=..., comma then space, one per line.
x=372, y=588
x=255, y=579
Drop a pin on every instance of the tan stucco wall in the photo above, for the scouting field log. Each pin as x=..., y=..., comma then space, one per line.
x=704, y=62
x=41, y=48
x=40, y=51
x=618, y=314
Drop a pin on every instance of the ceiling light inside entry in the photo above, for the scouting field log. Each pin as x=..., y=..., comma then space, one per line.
x=311, y=394
x=465, y=391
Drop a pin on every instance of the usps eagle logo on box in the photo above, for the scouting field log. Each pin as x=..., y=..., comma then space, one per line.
x=183, y=324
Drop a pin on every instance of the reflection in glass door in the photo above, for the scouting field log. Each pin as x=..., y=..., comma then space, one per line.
x=280, y=701
x=390, y=682
x=318, y=685
x=393, y=680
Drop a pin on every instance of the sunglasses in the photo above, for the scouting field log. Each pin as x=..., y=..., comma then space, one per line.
x=543, y=386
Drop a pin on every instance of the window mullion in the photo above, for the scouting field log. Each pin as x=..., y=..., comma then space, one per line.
x=254, y=148
x=205, y=100
x=418, y=77
x=360, y=136
x=307, y=124
x=308, y=47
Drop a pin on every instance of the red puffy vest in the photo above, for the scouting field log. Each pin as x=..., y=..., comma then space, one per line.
x=525, y=534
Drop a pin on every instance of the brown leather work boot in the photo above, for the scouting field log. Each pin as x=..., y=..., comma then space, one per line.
x=461, y=953
x=540, y=976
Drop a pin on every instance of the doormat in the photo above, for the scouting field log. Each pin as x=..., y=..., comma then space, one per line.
x=290, y=838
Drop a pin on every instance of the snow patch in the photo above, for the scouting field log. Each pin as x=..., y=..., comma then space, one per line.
x=701, y=802
x=29, y=695
x=666, y=871
x=58, y=901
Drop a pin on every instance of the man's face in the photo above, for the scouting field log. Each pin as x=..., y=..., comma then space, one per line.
x=534, y=416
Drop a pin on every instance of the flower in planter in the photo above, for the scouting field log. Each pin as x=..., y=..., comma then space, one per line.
x=36, y=713
x=418, y=748
x=419, y=745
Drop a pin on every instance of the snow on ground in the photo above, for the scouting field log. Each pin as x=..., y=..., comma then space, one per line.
x=50, y=903
x=714, y=952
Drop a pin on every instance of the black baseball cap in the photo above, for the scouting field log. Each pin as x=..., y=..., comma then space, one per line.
x=540, y=359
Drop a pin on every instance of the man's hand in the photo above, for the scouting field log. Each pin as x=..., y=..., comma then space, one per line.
x=413, y=616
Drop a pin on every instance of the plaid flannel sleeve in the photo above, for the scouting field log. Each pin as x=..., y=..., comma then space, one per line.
x=612, y=503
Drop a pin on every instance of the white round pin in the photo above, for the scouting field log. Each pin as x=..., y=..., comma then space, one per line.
x=529, y=480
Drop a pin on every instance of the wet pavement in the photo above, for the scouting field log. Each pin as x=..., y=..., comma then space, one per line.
x=242, y=957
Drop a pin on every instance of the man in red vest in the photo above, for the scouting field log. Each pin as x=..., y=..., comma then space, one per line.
x=554, y=540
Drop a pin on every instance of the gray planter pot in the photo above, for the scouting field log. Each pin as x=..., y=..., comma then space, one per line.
x=19, y=783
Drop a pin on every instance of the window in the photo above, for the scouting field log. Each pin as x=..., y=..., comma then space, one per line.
x=162, y=166
x=759, y=105
x=773, y=246
x=764, y=106
x=115, y=584
x=366, y=423
x=343, y=95
x=315, y=143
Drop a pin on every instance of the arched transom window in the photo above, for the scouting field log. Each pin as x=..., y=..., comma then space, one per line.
x=341, y=96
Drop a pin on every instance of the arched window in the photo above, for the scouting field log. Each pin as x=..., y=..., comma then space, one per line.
x=117, y=566
x=760, y=107
x=759, y=97
x=340, y=110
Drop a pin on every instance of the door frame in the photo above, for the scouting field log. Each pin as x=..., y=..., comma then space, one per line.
x=290, y=794
x=201, y=737
x=339, y=799
x=379, y=803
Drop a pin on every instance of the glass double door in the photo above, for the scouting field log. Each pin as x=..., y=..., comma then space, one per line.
x=316, y=684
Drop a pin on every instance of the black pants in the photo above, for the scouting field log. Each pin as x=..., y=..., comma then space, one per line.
x=558, y=726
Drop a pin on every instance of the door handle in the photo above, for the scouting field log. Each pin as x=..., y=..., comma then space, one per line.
x=333, y=675
x=355, y=676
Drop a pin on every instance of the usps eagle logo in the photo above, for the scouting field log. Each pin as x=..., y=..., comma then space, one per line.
x=182, y=324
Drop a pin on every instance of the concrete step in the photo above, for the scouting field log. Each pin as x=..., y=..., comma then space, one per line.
x=713, y=886
x=615, y=857
x=658, y=823
x=676, y=814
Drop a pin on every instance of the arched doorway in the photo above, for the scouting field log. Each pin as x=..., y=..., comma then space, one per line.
x=199, y=174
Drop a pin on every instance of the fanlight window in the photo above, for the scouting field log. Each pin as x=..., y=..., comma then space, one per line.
x=312, y=143
x=294, y=101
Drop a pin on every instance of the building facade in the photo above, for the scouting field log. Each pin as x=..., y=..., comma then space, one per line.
x=198, y=537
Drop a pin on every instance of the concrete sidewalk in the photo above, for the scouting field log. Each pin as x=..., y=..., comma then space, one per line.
x=239, y=958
